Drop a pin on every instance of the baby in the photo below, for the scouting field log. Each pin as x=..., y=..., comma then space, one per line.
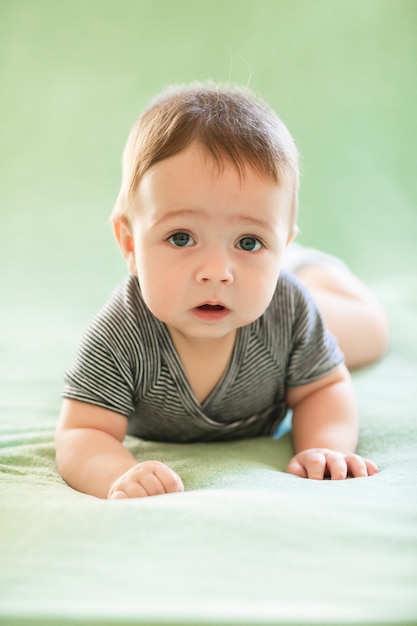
x=207, y=339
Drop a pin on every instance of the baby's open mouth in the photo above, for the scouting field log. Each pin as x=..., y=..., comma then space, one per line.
x=211, y=312
x=211, y=307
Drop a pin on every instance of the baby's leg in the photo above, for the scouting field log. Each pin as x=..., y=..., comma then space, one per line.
x=351, y=312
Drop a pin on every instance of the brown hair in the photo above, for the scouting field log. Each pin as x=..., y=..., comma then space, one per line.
x=229, y=122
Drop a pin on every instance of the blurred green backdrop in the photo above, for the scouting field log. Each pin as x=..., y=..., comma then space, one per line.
x=75, y=74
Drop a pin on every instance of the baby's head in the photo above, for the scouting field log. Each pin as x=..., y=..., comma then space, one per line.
x=228, y=123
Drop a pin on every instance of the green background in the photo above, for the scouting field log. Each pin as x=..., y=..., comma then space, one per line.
x=75, y=75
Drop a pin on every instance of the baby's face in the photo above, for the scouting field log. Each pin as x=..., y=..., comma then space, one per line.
x=208, y=245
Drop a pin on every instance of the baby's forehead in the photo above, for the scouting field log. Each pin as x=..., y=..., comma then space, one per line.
x=215, y=160
x=211, y=163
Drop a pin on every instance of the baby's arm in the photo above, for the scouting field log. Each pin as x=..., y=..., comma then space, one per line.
x=325, y=429
x=92, y=458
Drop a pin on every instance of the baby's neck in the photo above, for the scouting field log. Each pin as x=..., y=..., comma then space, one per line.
x=204, y=361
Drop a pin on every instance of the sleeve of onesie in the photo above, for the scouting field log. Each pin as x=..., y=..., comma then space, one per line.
x=313, y=349
x=105, y=368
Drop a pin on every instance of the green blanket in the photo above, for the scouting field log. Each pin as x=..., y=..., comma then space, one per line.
x=246, y=544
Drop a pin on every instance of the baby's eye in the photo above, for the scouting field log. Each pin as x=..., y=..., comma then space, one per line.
x=249, y=244
x=181, y=240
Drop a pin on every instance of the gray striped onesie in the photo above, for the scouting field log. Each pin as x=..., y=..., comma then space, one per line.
x=127, y=363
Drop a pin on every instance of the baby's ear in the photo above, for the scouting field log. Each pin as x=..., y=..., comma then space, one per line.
x=123, y=233
x=293, y=234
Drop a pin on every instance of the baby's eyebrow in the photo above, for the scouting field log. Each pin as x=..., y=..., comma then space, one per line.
x=255, y=221
x=246, y=219
x=170, y=215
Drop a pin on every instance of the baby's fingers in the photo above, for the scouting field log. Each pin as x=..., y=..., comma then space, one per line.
x=169, y=480
x=149, y=478
x=319, y=463
x=371, y=467
x=118, y=495
x=315, y=464
x=126, y=487
x=151, y=482
x=337, y=467
x=358, y=467
x=295, y=467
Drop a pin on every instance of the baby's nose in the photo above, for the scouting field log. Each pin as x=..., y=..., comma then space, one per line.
x=215, y=266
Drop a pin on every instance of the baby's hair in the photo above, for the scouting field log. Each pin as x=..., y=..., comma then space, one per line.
x=230, y=123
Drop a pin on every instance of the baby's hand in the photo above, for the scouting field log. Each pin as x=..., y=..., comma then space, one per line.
x=149, y=478
x=319, y=463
